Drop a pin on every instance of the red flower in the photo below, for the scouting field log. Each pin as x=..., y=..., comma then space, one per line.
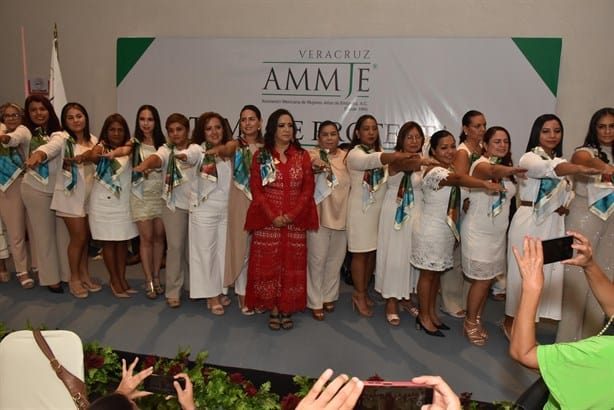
x=289, y=402
x=236, y=378
x=250, y=389
x=149, y=361
x=93, y=361
x=375, y=378
x=175, y=369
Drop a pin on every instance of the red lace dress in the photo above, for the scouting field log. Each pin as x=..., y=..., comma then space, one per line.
x=277, y=269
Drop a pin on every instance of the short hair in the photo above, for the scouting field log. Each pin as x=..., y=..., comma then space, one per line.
x=327, y=123
x=355, y=140
x=177, y=117
x=104, y=132
x=405, y=129
x=158, y=135
x=466, y=121
x=436, y=138
x=536, y=131
x=271, y=129
x=591, y=139
x=18, y=107
x=198, y=135
x=53, y=123
x=81, y=108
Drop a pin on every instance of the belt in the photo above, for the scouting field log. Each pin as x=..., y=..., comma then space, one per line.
x=561, y=210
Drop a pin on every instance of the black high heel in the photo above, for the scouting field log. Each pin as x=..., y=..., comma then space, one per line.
x=442, y=326
x=420, y=326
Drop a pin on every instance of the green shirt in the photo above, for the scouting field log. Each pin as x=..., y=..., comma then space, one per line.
x=579, y=375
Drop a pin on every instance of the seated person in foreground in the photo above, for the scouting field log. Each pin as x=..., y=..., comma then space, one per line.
x=579, y=375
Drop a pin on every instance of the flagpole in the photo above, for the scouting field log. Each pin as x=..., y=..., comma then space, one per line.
x=23, y=60
x=57, y=94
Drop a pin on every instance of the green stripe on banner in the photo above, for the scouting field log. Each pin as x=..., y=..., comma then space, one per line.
x=544, y=54
x=129, y=50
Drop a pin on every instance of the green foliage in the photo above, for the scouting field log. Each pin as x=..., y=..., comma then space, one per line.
x=103, y=370
x=304, y=384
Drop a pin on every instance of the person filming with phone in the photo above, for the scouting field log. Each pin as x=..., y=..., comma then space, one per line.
x=578, y=374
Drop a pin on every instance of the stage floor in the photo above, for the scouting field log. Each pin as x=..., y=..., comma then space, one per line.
x=343, y=341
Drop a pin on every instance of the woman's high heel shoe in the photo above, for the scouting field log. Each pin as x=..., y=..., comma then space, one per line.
x=150, y=290
x=442, y=326
x=157, y=286
x=214, y=305
x=363, y=310
x=120, y=295
x=244, y=309
x=420, y=326
x=472, y=330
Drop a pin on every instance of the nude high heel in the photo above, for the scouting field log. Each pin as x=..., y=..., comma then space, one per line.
x=472, y=330
x=359, y=303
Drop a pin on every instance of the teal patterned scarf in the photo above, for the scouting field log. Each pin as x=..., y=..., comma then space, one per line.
x=497, y=205
x=41, y=172
x=108, y=172
x=405, y=200
x=242, y=164
x=69, y=168
x=172, y=178
x=267, y=166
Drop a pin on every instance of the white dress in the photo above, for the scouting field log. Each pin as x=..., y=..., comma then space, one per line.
x=527, y=222
x=394, y=275
x=432, y=238
x=110, y=218
x=73, y=204
x=483, y=237
x=208, y=220
x=362, y=224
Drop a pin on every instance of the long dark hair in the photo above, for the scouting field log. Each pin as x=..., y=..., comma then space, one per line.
x=158, y=135
x=198, y=135
x=53, y=123
x=104, y=132
x=591, y=139
x=86, y=130
x=405, y=129
x=536, y=131
x=507, y=159
x=271, y=129
x=355, y=140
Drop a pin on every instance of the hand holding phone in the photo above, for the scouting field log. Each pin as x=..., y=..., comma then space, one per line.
x=394, y=396
x=557, y=249
x=157, y=383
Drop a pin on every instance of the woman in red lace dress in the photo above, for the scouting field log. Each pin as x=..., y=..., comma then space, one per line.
x=281, y=212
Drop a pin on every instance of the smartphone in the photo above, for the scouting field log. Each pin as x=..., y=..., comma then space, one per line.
x=157, y=383
x=557, y=249
x=394, y=395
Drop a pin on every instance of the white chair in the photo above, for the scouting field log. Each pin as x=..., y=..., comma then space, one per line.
x=27, y=381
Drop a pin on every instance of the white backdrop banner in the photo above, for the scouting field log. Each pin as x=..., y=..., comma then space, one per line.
x=427, y=80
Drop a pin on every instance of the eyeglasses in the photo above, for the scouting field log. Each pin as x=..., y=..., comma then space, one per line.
x=414, y=137
x=15, y=115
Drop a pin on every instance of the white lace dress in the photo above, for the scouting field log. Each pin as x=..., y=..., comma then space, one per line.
x=483, y=237
x=394, y=275
x=432, y=238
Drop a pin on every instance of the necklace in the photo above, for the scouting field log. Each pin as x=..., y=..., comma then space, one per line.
x=602, y=331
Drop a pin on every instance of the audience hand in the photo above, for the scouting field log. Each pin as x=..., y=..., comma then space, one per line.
x=184, y=396
x=531, y=263
x=341, y=393
x=582, y=245
x=443, y=396
x=130, y=381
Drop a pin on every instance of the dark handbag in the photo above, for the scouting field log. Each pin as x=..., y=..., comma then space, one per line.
x=75, y=386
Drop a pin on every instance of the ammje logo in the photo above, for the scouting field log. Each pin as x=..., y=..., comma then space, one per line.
x=317, y=79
